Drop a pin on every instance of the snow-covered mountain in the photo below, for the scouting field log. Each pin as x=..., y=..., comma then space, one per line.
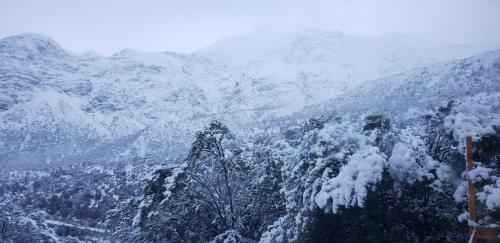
x=57, y=106
x=321, y=64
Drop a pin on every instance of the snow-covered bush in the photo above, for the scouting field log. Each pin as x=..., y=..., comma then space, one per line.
x=411, y=162
x=483, y=125
x=471, y=120
x=331, y=166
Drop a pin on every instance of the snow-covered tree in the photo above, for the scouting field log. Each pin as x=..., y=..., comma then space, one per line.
x=331, y=167
x=219, y=191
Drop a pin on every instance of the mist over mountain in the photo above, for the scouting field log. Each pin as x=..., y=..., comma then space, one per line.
x=267, y=137
x=322, y=64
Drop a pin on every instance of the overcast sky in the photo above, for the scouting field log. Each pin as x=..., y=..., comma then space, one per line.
x=186, y=25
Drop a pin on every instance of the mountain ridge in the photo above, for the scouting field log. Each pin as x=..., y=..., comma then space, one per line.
x=137, y=104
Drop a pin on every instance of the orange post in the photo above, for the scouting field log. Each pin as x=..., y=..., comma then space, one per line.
x=471, y=194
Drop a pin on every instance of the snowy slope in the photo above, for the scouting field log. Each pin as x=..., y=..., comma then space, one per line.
x=475, y=79
x=57, y=106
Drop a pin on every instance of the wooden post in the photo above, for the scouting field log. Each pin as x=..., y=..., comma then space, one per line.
x=471, y=193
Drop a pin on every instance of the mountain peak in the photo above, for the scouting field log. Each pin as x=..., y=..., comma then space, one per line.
x=32, y=44
x=319, y=32
x=126, y=52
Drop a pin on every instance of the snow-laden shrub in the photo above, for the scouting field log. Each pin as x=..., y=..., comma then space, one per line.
x=471, y=120
x=331, y=166
x=350, y=187
x=483, y=125
x=411, y=162
x=230, y=236
x=491, y=195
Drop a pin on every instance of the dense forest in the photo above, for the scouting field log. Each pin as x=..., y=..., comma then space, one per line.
x=370, y=178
